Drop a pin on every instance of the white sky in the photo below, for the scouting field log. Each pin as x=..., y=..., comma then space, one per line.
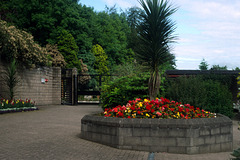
x=208, y=29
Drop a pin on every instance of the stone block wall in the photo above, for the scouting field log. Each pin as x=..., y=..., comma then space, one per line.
x=32, y=85
x=194, y=136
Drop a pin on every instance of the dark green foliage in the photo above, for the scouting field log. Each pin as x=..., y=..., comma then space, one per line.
x=44, y=19
x=236, y=154
x=111, y=32
x=207, y=94
x=217, y=67
x=203, y=65
x=121, y=90
x=69, y=49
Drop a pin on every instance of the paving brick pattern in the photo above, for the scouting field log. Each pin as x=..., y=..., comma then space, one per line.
x=52, y=133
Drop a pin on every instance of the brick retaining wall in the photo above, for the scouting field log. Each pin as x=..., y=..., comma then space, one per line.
x=192, y=136
x=31, y=87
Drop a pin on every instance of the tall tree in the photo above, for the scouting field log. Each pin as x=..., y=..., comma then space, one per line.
x=203, y=65
x=69, y=49
x=156, y=33
x=100, y=59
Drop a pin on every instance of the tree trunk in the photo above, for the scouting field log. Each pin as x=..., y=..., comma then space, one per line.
x=154, y=84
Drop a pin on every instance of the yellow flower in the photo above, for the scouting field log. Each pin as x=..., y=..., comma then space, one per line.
x=146, y=100
x=147, y=115
x=178, y=114
x=139, y=104
x=7, y=102
x=105, y=112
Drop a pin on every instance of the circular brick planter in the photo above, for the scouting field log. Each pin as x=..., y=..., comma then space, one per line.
x=192, y=136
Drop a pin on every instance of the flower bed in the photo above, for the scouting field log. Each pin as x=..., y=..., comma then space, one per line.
x=160, y=126
x=160, y=108
x=19, y=105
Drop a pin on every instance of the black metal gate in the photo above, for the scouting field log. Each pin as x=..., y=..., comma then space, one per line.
x=67, y=88
x=90, y=92
x=81, y=89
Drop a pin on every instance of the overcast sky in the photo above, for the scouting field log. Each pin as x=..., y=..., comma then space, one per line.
x=208, y=29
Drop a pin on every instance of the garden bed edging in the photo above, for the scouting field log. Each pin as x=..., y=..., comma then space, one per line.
x=184, y=136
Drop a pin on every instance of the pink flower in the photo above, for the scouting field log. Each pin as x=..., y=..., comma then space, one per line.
x=159, y=114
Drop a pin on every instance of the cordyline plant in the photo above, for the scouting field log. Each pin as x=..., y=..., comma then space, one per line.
x=155, y=36
x=159, y=108
x=11, y=79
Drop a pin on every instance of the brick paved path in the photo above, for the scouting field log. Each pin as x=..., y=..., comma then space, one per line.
x=52, y=133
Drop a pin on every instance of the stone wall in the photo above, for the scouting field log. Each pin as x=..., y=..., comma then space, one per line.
x=42, y=85
x=191, y=136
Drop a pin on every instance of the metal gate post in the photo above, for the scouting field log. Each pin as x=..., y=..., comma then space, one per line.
x=75, y=90
x=74, y=86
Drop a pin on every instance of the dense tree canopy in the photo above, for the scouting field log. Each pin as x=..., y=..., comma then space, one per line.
x=114, y=31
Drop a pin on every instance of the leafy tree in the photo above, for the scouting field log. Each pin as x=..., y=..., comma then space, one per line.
x=111, y=33
x=237, y=69
x=69, y=49
x=45, y=19
x=134, y=19
x=217, y=67
x=203, y=65
x=100, y=59
x=155, y=36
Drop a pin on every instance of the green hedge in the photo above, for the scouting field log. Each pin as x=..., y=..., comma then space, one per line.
x=201, y=92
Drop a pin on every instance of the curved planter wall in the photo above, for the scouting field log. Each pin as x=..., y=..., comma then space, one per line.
x=192, y=136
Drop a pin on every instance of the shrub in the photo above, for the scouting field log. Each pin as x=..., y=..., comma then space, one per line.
x=119, y=91
x=18, y=44
x=207, y=94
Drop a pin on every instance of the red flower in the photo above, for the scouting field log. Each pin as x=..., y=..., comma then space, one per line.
x=138, y=112
x=148, y=107
x=187, y=110
x=159, y=114
x=133, y=108
x=120, y=114
x=180, y=109
x=129, y=117
x=115, y=109
x=172, y=109
x=152, y=110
